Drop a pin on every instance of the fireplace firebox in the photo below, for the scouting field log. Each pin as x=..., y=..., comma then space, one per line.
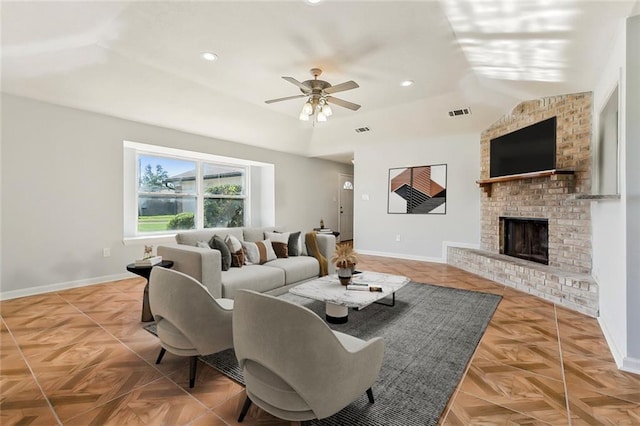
x=525, y=238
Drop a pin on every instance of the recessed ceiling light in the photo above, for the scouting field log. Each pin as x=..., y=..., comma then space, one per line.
x=313, y=1
x=209, y=56
x=406, y=83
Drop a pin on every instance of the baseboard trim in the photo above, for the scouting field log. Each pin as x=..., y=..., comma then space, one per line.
x=401, y=256
x=625, y=363
x=32, y=291
x=618, y=356
x=631, y=365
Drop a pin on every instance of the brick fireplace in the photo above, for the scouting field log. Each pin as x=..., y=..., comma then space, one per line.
x=564, y=276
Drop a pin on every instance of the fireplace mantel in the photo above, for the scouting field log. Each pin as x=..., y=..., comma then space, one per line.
x=485, y=184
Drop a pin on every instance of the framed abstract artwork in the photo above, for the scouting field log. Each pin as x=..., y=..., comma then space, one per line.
x=418, y=190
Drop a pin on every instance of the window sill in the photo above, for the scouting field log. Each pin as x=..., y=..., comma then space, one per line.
x=149, y=240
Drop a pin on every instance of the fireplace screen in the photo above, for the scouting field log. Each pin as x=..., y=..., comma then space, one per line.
x=525, y=238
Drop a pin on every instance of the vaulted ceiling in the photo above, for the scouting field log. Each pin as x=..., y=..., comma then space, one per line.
x=141, y=61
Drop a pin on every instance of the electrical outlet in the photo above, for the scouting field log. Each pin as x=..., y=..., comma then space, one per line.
x=106, y=252
x=398, y=237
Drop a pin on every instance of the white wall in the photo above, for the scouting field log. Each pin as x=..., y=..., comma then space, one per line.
x=615, y=265
x=421, y=235
x=632, y=172
x=608, y=217
x=62, y=200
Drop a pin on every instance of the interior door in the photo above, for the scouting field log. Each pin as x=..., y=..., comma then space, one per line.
x=345, y=204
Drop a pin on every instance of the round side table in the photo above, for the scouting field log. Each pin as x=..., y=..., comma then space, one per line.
x=145, y=272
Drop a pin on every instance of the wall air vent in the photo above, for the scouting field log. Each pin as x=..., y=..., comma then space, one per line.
x=362, y=129
x=459, y=112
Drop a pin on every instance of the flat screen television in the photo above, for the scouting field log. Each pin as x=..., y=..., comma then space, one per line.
x=530, y=149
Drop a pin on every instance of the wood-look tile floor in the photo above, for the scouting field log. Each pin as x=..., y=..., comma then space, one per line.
x=81, y=357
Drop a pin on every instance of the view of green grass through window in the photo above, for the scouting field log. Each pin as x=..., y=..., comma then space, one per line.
x=171, y=191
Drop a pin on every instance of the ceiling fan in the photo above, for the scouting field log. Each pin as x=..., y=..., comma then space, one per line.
x=318, y=93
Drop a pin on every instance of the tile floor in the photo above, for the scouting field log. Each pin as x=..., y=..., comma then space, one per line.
x=81, y=357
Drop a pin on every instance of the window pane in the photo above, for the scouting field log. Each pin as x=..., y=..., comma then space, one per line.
x=223, y=180
x=158, y=213
x=167, y=175
x=223, y=212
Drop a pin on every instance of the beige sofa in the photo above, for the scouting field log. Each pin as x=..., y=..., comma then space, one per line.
x=274, y=277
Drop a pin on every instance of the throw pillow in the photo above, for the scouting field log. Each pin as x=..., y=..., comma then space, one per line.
x=280, y=243
x=259, y=252
x=302, y=244
x=233, y=243
x=251, y=253
x=237, y=258
x=217, y=243
x=203, y=244
x=237, y=253
x=281, y=250
x=268, y=247
x=294, y=244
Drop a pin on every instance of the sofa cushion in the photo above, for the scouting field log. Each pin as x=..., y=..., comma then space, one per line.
x=257, y=234
x=190, y=238
x=253, y=234
x=251, y=277
x=218, y=243
x=298, y=268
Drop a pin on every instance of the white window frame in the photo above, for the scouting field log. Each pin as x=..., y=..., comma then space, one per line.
x=131, y=150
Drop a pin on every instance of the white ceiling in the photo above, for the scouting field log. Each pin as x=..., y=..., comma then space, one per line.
x=141, y=61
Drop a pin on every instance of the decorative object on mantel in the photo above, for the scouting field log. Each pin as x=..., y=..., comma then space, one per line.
x=321, y=224
x=345, y=259
x=418, y=190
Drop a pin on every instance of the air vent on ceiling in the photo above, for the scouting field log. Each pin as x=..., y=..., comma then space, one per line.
x=362, y=129
x=459, y=112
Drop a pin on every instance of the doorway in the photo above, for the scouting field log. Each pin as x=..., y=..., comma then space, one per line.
x=345, y=207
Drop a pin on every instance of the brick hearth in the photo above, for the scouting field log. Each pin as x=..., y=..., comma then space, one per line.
x=566, y=280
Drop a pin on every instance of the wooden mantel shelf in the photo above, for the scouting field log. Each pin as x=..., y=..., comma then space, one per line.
x=485, y=184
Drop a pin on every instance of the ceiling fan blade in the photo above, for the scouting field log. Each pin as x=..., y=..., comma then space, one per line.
x=343, y=103
x=297, y=83
x=348, y=85
x=270, y=101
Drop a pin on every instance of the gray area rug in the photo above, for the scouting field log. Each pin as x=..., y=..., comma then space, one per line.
x=430, y=335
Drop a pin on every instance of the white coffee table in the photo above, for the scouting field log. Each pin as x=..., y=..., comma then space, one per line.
x=338, y=299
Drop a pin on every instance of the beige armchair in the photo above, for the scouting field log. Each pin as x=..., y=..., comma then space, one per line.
x=295, y=367
x=190, y=321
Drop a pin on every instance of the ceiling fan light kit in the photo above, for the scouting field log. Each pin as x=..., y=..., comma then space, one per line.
x=307, y=108
x=326, y=109
x=318, y=97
